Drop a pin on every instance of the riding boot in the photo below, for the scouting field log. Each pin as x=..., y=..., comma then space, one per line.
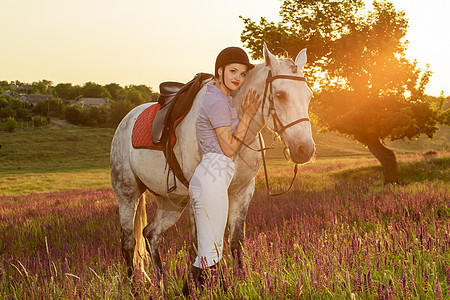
x=216, y=270
x=198, y=278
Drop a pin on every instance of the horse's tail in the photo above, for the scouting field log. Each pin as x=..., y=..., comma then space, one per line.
x=140, y=221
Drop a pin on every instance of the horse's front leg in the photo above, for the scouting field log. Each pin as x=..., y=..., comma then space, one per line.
x=239, y=200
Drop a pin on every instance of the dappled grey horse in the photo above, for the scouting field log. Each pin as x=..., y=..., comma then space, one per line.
x=133, y=171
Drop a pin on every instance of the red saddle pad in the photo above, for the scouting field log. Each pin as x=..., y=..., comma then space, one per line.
x=142, y=131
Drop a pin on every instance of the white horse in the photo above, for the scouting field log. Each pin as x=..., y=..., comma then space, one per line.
x=133, y=171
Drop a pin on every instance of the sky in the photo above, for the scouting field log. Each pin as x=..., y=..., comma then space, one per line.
x=151, y=41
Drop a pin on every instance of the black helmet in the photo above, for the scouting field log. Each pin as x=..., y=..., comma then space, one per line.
x=232, y=55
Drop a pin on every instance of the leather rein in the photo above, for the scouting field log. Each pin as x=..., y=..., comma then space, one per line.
x=279, y=127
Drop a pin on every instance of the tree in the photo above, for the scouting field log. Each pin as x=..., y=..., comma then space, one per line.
x=67, y=91
x=119, y=109
x=52, y=108
x=116, y=91
x=75, y=114
x=145, y=91
x=135, y=97
x=366, y=88
x=94, y=90
x=41, y=87
x=97, y=116
x=5, y=85
x=15, y=108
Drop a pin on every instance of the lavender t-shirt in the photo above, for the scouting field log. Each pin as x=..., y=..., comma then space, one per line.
x=215, y=111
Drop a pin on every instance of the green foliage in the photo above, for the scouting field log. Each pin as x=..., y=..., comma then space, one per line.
x=11, y=124
x=367, y=89
x=87, y=116
x=116, y=91
x=135, y=97
x=145, y=92
x=75, y=114
x=119, y=109
x=39, y=121
x=383, y=117
x=67, y=91
x=94, y=90
x=15, y=108
x=97, y=116
x=4, y=85
x=53, y=108
x=122, y=99
x=41, y=87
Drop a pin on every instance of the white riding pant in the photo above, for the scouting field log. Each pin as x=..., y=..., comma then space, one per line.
x=208, y=191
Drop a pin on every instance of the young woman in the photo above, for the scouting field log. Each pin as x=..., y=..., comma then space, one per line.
x=219, y=131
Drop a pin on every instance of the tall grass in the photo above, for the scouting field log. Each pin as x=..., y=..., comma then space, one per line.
x=349, y=238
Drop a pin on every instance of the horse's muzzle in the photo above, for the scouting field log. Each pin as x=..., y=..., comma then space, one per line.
x=302, y=153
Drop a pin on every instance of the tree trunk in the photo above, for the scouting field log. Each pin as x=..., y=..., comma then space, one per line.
x=387, y=159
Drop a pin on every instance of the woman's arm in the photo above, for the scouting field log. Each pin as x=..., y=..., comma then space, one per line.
x=229, y=145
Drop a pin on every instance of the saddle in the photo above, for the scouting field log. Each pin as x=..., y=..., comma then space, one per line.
x=167, y=91
x=176, y=100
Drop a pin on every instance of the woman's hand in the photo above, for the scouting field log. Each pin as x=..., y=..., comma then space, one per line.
x=250, y=103
x=230, y=142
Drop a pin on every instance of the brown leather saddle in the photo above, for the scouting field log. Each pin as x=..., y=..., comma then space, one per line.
x=176, y=99
x=167, y=91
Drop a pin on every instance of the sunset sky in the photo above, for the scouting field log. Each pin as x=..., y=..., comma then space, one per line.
x=148, y=41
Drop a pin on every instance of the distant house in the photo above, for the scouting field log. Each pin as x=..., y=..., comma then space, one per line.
x=34, y=99
x=86, y=102
x=13, y=94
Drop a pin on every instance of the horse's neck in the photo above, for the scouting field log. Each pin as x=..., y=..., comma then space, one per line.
x=255, y=80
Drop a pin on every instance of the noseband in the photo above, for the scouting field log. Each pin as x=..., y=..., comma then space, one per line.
x=277, y=123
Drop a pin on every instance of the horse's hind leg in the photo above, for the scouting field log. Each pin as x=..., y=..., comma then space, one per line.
x=167, y=214
x=127, y=190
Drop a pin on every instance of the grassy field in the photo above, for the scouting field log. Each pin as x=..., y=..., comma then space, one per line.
x=66, y=158
x=347, y=237
x=54, y=158
x=339, y=234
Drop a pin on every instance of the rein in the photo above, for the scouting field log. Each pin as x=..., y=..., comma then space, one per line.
x=279, y=127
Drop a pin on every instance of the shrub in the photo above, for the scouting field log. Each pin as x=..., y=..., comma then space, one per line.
x=97, y=116
x=39, y=121
x=52, y=108
x=11, y=124
x=75, y=115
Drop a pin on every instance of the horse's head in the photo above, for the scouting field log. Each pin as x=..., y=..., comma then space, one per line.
x=285, y=107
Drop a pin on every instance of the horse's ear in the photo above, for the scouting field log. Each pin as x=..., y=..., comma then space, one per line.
x=300, y=61
x=269, y=59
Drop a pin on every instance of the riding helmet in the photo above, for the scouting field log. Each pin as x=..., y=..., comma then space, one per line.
x=232, y=55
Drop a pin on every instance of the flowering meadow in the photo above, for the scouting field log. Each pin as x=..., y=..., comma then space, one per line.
x=345, y=240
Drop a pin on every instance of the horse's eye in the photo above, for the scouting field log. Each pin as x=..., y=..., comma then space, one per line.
x=281, y=95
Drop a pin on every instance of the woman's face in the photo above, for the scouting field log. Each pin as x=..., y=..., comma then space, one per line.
x=234, y=75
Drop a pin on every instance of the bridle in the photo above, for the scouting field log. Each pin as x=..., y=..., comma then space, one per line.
x=268, y=87
x=279, y=127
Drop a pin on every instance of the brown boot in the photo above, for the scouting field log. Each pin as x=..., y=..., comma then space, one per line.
x=217, y=271
x=197, y=275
